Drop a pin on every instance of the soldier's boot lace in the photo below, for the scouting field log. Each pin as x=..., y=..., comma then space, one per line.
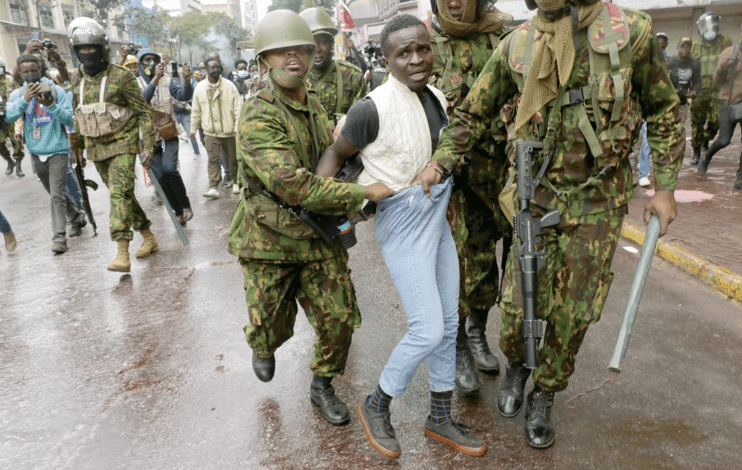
x=322, y=394
x=122, y=263
x=467, y=377
x=539, y=428
x=510, y=399
x=149, y=245
x=483, y=357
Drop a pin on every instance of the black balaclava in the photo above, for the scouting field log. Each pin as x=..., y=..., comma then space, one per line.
x=94, y=62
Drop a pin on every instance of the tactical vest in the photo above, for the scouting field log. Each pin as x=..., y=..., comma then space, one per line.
x=162, y=100
x=101, y=118
x=444, y=65
x=602, y=110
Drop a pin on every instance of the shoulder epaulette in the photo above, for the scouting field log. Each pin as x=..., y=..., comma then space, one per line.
x=266, y=95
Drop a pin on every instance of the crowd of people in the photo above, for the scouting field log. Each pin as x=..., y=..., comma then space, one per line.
x=437, y=146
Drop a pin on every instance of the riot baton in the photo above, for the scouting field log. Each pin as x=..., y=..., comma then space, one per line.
x=166, y=203
x=84, y=184
x=635, y=294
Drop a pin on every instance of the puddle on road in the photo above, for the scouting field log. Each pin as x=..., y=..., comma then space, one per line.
x=687, y=196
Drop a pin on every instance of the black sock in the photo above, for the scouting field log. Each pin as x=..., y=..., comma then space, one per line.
x=440, y=406
x=379, y=402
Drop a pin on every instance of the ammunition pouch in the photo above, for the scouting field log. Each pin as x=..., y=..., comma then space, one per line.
x=101, y=118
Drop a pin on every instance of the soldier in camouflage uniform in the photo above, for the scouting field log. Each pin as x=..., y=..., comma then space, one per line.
x=338, y=84
x=588, y=177
x=280, y=138
x=110, y=136
x=6, y=87
x=704, y=110
x=464, y=36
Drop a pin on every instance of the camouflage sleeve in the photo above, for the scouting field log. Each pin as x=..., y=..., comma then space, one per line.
x=264, y=149
x=660, y=103
x=360, y=88
x=140, y=110
x=490, y=91
x=77, y=141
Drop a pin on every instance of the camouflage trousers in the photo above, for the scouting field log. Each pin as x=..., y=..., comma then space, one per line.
x=704, y=117
x=476, y=228
x=573, y=284
x=17, y=145
x=118, y=175
x=326, y=293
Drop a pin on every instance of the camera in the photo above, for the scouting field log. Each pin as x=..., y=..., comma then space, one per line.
x=48, y=44
x=133, y=49
x=174, y=68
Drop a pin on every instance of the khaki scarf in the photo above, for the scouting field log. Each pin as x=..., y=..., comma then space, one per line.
x=492, y=21
x=552, y=59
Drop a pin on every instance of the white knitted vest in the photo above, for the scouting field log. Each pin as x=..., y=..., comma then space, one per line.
x=402, y=148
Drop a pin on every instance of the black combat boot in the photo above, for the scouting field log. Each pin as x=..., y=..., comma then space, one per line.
x=11, y=165
x=738, y=179
x=18, y=172
x=510, y=400
x=323, y=395
x=539, y=428
x=696, y=156
x=703, y=165
x=483, y=357
x=467, y=377
x=263, y=368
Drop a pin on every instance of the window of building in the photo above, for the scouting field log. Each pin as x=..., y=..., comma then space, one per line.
x=18, y=13
x=47, y=19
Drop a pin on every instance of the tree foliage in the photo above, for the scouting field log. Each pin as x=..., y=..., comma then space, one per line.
x=299, y=5
x=224, y=25
x=149, y=26
x=103, y=8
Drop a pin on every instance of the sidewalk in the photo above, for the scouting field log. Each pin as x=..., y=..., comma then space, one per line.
x=706, y=238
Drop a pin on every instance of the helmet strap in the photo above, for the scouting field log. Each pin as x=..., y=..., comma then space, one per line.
x=283, y=79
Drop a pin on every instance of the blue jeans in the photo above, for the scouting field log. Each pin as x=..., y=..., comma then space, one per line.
x=71, y=186
x=645, y=154
x=420, y=254
x=185, y=121
x=4, y=225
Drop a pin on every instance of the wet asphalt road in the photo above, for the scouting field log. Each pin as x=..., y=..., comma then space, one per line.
x=151, y=371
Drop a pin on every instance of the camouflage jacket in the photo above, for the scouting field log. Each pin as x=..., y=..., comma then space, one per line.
x=326, y=85
x=269, y=152
x=121, y=89
x=457, y=63
x=7, y=85
x=573, y=164
x=708, y=53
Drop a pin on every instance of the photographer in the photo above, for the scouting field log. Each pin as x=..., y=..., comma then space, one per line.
x=728, y=76
x=40, y=49
x=159, y=92
x=46, y=113
x=685, y=73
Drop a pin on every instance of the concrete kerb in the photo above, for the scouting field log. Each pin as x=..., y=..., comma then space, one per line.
x=720, y=279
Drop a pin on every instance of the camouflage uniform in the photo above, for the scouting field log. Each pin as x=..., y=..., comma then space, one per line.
x=477, y=221
x=115, y=154
x=580, y=249
x=326, y=85
x=704, y=110
x=282, y=259
x=6, y=87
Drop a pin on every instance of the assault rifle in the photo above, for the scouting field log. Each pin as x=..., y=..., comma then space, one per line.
x=84, y=185
x=530, y=259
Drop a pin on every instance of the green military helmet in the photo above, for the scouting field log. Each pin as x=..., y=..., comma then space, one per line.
x=319, y=21
x=282, y=28
x=89, y=33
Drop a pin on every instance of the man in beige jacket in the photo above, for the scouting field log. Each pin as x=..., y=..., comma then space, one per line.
x=216, y=109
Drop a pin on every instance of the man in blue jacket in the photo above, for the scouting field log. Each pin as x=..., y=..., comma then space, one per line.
x=159, y=90
x=47, y=113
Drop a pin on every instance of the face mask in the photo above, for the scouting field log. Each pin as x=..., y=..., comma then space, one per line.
x=150, y=69
x=709, y=36
x=31, y=77
x=244, y=74
x=215, y=73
